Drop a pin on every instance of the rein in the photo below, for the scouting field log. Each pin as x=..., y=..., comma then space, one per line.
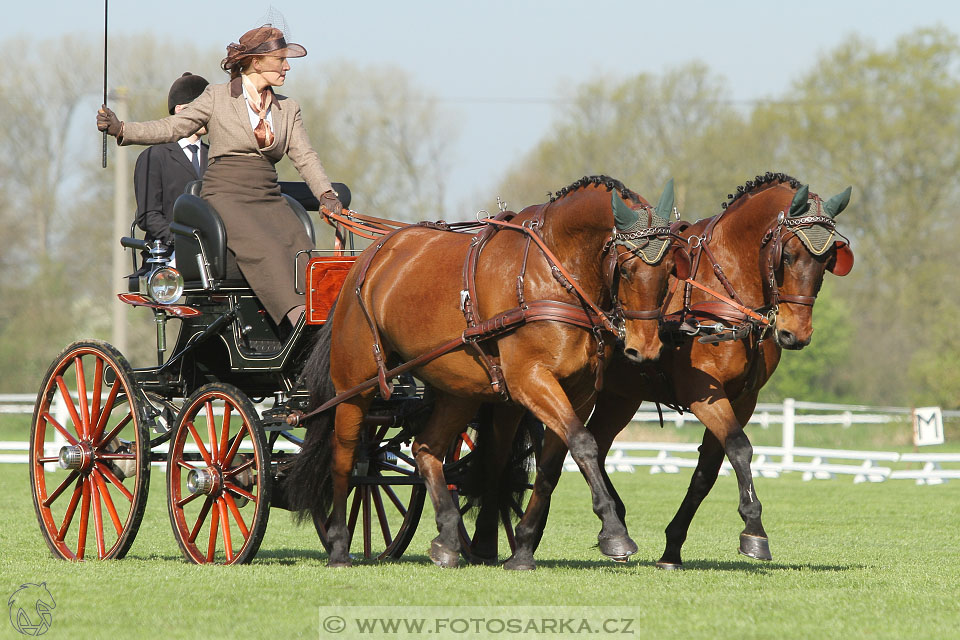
x=588, y=316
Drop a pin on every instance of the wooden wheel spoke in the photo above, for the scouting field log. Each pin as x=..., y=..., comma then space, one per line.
x=124, y=421
x=190, y=498
x=212, y=431
x=97, y=517
x=239, y=468
x=84, y=518
x=63, y=485
x=402, y=508
x=387, y=466
x=108, y=502
x=234, y=446
x=409, y=460
x=382, y=516
x=224, y=432
x=68, y=401
x=204, y=510
x=237, y=517
x=183, y=463
x=82, y=395
x=71, y=508
x=367, y=524
x=199, y=442
x=354, y=511
x=48, y=460
x=106, y=411
x=229, y=486
x=56, y=425
x=114, y=480
x=97, y=390
x=212, y=542
x=225, y=528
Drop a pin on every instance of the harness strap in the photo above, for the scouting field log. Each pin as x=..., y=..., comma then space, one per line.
x=497, y=325
x=555, y=265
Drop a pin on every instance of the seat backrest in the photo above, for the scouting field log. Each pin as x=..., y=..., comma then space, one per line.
x=303, y=216
x=191, y=211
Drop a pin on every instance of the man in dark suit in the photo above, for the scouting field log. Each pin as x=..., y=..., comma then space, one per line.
x=164, y=170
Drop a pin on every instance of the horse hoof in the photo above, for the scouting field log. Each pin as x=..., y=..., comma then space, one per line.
x=670, y=566
x=443, y=556
x=481, y=560
x=517, y=564
x=339, y=564
x=619, y=548
x=756, y=547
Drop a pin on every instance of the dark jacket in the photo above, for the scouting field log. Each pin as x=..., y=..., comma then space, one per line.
x=161, y=175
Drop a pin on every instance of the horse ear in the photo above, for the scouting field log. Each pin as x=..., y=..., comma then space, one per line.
x=623, y=216
x=837, y=203
x=665, y=206
x=800, y=203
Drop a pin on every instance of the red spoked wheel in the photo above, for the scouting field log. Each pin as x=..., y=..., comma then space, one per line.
x=89, y=454
x=386, y=496
x=480, y=546
x=218, y=477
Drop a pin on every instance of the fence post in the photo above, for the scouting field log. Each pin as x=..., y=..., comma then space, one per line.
x=788, y=430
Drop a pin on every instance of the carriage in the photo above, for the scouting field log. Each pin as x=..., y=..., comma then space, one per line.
x=211, y=412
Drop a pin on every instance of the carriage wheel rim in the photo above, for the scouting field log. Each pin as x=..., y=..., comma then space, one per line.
x=223, y=530
x=96, y=512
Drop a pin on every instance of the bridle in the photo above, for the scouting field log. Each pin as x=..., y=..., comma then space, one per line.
x=634, y=242
x=731, y=308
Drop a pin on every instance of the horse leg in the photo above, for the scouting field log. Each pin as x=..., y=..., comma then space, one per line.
x=450, y=416
x=349, y=420
x=496, y=448
x=544, y=396
x=704, y=477
x=726, y=436
x=611, y=414
x=529, y=530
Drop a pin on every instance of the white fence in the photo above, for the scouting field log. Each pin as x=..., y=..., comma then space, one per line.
x=671, y=457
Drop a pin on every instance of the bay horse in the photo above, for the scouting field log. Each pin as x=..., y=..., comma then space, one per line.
x=536, y=297
x=768, y=257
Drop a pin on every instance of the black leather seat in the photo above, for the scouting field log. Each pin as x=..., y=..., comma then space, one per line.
x=193, y=212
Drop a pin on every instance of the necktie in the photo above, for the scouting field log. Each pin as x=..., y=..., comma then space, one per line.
x=195, y=153
x=262, y=131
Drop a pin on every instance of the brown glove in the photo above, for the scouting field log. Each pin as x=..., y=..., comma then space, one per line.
x=331, y=202
x=107, y=121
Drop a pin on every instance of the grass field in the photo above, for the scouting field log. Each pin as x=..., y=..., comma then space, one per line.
x=850, y=561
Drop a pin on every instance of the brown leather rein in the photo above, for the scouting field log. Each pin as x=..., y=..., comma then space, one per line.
x=587, y=315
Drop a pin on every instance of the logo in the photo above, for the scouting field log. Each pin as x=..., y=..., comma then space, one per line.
x=30, y=608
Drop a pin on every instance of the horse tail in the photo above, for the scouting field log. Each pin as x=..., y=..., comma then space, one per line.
x=308, y=486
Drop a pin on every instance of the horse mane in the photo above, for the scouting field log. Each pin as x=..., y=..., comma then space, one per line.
x=601, y=180
x=760, y=181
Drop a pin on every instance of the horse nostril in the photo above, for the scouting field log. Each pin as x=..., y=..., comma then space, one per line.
x=633, y=354
x=786, y=339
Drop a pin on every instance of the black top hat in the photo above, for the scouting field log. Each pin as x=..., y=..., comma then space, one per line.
x=185, y=90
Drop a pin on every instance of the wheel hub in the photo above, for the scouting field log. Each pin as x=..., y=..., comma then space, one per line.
x=207, y=481
x=78, y=456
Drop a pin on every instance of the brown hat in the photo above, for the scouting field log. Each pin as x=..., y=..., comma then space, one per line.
x=262, y=41
x=185, y=90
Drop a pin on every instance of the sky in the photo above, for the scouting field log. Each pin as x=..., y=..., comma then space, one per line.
x=502, y=68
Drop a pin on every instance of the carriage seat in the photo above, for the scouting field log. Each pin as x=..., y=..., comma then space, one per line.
x=193, y=212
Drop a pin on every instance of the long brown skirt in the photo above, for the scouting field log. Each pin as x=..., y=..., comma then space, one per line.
x=262, y=230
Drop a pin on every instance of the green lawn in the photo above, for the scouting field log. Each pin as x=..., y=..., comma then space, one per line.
x=850, y=561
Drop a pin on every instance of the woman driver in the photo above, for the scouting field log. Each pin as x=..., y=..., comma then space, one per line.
x=250, y=128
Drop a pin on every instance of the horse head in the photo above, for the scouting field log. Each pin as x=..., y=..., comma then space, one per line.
x=802, y=245
x=642, y=258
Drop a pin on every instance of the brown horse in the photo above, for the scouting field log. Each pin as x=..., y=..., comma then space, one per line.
x=421, y=287
x=768, y=257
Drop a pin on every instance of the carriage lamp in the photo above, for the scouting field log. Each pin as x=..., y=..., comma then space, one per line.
x=165, y=285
